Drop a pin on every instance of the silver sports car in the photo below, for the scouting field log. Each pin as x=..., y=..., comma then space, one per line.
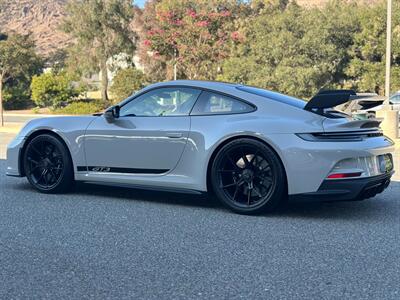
x=249, y=146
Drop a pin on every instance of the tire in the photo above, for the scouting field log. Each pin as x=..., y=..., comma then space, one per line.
x=47, y=164
x=248, y=177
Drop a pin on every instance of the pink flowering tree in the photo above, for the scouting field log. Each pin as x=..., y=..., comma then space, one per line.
x=194, y=35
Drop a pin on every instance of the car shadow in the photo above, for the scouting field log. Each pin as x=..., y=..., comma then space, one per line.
x=382, y=206
x=377, y=207
x=162, y=197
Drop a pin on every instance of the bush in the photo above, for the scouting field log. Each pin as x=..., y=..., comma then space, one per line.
x=80, y=108
x=52, y=90
x=17, y=96
x=125, y=82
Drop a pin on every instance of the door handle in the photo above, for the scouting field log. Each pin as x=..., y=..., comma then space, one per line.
x=174, y=135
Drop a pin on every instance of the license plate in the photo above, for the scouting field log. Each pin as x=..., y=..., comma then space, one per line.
x=385, y=163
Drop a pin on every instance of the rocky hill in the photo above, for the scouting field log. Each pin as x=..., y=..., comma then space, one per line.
x=41, y=18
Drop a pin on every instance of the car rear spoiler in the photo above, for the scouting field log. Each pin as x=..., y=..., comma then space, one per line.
x=330, y=98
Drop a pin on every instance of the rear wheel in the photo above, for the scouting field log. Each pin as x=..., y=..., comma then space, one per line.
x=48, y=165
x=248, y=177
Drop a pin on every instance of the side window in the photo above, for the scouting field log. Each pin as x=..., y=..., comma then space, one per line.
x=162, y=102
x=214, y=103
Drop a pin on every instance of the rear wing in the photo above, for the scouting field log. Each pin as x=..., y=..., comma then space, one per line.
x=329, y=99
x=346, y=101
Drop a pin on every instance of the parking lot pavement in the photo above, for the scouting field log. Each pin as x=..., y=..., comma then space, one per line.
x=112, y=243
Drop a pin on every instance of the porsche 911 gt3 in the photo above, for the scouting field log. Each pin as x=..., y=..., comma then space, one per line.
x=253, y=148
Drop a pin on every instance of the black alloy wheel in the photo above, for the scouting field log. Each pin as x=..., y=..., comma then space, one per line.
x=48, y=165
x=248, y=177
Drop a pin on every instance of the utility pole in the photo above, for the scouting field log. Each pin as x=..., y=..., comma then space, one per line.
x=388, y=51
x=390, y=123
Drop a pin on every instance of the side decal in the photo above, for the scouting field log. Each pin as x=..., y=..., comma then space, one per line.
x=105, y=169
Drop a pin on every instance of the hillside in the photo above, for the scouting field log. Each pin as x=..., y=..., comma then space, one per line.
x=41, y=18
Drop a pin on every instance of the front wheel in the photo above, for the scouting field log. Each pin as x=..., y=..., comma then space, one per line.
x=248, y=177
x=48, y=165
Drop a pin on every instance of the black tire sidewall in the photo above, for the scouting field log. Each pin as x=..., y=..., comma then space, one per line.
x=66, y=179
x=278, y=193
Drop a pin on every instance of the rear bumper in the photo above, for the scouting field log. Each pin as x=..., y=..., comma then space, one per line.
x=307, y=164
x=347, y=189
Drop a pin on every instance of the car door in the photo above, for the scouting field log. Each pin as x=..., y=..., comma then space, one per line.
x=148, y=137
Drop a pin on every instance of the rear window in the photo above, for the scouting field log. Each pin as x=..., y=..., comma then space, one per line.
x=292, y=101
x=211, y=103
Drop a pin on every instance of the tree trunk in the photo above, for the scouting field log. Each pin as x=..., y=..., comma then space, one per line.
x=104, y=81
x=1, y=102
x=169, y=72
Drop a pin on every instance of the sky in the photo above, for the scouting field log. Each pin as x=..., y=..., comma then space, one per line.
x=139, y=3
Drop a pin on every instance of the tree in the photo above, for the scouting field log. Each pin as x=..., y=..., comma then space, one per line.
x=53, y=90
x=17, y=60
x=366, y=68
x=101, y=29
x=125, y=82
x=57, y=60
x=293, y=50
x=154, y=66
x=194, y=35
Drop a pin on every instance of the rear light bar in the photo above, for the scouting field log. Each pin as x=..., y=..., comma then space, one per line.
x=349, y=136
x=344, y=175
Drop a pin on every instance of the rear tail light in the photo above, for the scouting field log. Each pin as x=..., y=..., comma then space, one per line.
x=361, y=167
x=344, y=175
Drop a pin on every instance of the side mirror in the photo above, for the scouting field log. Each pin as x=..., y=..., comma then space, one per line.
x=112, y=113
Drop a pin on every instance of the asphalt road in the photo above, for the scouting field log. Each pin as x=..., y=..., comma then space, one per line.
x=101, y=242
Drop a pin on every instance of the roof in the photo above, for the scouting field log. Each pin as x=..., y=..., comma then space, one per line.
x=197, y=83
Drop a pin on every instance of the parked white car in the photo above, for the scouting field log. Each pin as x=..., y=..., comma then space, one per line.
x=365, y=105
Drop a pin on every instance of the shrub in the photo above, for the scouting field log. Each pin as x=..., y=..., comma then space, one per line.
x=17, y=96
x=125, y=82
x=80, y=108
x=52, y=90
